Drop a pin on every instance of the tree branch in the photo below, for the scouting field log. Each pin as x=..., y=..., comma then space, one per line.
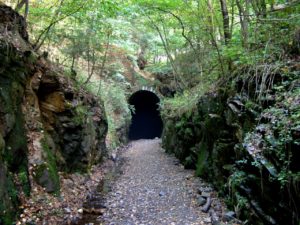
x=182, y=27
x=44, y=33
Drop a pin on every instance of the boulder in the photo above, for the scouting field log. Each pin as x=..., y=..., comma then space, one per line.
x=46, y=179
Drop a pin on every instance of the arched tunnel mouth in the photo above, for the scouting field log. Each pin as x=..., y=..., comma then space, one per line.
x=146, y=122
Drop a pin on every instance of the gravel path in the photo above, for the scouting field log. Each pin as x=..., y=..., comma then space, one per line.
x=154, y=189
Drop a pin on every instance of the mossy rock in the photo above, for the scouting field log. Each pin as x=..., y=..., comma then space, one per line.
x=8, y=196
x=47, y=178
x=202, y=161
x=16, y=144
x=46, y=174
x=169, y=136
x=23, y=178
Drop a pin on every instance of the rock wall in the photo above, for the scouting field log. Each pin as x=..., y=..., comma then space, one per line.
x=72, y=120
x=47, y=122
x=245, y=140
x=13, y=141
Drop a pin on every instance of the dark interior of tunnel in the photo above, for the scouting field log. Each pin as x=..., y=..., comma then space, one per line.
x=146, y=122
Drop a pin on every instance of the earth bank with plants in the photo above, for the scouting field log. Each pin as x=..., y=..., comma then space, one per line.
x=245, y=144
x=48, y=124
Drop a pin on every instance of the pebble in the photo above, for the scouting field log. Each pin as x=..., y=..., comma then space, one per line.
x=228, y=216
x=207, y=220
x=205, y=194
x=161, y=194
x=67, y=210
x=201, y=201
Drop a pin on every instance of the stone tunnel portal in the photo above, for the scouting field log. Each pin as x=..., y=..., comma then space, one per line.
x=146, y=122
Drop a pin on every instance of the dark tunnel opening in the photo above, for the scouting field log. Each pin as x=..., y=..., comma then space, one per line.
x=146, y=122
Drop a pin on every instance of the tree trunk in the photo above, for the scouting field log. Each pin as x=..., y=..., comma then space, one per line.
x=188, y=40
x=212, y=34
x=91, y=71
x=20, y=6
x=43, y=36
x=73, y=71
x=226, y=27
x=167, y=50
x=260, y=8
x=73, y=62
x=232, y=17
x=104, y=60
x=243, y=21
x=263, y=8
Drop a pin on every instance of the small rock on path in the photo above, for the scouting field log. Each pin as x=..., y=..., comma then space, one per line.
x=153, y=189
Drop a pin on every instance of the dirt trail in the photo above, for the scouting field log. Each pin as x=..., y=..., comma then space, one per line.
x=155, y=189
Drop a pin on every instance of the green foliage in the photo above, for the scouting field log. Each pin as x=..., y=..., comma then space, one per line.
x=235, y=180
x=159, y=68
x=190, y=41
x=81, y=113
x=278, y=140
x=183, y=103
x=116, y=67
x=113, y=95
x=281, y=139
x=117, y=111
x=141, y=81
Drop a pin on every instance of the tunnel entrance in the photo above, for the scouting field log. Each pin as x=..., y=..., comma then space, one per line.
x=146, y=122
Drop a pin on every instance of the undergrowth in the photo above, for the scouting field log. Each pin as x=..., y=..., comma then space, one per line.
x=113, y=95
x=185, y=102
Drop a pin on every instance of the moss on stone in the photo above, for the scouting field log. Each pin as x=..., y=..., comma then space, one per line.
x=16, y=144
x=13, y=143
x=24, y=180
x=202, y=163
x=9, y=197
x=46, y=174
